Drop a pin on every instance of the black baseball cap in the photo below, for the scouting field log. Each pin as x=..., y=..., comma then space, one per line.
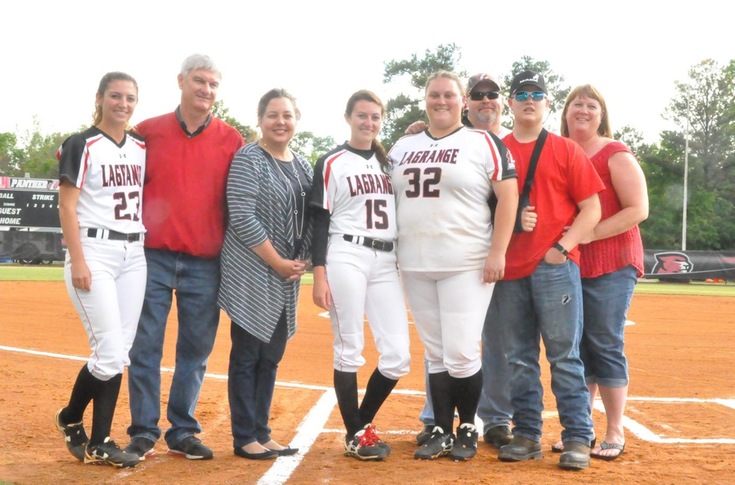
x=528, y=78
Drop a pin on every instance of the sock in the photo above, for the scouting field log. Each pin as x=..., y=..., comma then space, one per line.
x=378, y=389
x=441, y=399
x=81, y=394
x=465, y=396
x=104, y=403
x=345, y=386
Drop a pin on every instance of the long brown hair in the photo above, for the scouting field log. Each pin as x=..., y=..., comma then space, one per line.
x=104, y=83
x=376, y=146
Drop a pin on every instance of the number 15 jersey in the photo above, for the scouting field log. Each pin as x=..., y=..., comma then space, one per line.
x=351, y=185
x=442, y=190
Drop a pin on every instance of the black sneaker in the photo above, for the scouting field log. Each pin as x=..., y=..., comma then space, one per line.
x=466, y=445
x=141, y=447
x=424, y=434
x=498, y=436
x=108, y=453
x=438, y=444
x=366, y=445
x=191, y=448
x=74, y=436
x=520, y=449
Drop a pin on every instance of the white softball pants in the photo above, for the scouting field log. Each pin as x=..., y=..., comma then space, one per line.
x=110, y=309
x=365, y=281
x=449, y=309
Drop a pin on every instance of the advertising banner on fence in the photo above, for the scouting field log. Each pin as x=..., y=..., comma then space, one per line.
x=689, y=265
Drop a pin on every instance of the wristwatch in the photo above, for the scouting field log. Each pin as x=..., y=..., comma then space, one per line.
x=561, y=248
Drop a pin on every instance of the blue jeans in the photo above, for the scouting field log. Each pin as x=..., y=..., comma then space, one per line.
x=196, y=283
x=606, y=302
x=252, y=380
x=494, y=408
x=547, y=304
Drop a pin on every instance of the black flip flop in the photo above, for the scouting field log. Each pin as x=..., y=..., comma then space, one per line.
x=609, y=446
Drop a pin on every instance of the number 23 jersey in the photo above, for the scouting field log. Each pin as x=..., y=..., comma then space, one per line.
x=442, y=189
x=110, y=177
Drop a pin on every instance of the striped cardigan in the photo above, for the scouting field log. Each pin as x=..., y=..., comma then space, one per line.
x=260, y=207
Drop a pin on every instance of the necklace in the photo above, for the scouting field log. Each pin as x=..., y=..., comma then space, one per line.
x=299, y=221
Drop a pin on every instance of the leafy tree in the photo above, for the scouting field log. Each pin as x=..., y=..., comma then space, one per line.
x=404, y=109
x=662, y=229
x=631, y=137
x=220, y=111
x=554, y=83
x=704, y=110
x=38, y=154
x=9, y=155
x=311, y=146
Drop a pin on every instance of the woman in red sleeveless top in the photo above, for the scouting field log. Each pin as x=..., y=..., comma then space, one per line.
x=612, y=259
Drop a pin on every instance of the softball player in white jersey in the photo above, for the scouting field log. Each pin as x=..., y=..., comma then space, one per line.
x=355, y=270
x=443, y=178
x=101, y=171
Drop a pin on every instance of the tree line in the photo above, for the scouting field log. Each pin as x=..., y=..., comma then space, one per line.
x=703, y=111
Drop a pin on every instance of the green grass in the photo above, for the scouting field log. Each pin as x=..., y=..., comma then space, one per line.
x=16, y=272
x=653, y=287
x=55, y=272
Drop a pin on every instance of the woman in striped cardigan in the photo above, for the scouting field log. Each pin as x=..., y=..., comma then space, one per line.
x=264, y=256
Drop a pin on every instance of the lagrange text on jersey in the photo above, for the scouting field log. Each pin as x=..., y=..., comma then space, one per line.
x=114, y=175
x=430, y=156
x=369, y=183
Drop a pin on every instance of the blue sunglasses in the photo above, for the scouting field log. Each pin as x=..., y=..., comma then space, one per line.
x=523, y=96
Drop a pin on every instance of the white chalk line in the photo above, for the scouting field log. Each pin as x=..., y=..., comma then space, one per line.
x=313, y=423
x=644, y=433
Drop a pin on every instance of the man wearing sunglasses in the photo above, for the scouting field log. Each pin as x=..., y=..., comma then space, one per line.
x=483, y=110
x=484, y=104
x=541, y=295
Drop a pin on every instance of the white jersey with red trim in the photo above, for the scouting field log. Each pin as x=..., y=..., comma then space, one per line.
x=351, y=185
x=111, y=176
x=442, y=188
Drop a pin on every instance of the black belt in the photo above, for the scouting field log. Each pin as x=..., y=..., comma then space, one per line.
x=113, y=235
x=371, y=243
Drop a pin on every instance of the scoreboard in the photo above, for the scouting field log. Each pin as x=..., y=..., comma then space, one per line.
x=29, y=203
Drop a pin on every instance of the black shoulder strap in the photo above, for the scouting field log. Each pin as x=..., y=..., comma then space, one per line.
x=523, y=198
x=534, y=161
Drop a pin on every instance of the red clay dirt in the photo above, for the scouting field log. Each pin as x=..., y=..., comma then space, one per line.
x=679, y=347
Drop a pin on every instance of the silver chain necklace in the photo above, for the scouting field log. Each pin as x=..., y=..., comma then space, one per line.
x=292, y=192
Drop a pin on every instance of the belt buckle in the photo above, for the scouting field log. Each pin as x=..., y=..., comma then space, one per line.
x=375, y=244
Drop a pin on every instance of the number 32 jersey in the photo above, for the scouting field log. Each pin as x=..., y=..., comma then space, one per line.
x=110, y=177
x=442, y=190
x=350, y=184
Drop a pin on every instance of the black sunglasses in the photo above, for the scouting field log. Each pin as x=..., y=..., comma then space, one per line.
x=478, y=95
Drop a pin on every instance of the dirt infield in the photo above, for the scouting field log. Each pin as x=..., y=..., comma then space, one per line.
x=680, y=428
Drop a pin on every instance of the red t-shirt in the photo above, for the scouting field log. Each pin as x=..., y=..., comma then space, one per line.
x=564, y=177
x=185, y=183
x=616, y=252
